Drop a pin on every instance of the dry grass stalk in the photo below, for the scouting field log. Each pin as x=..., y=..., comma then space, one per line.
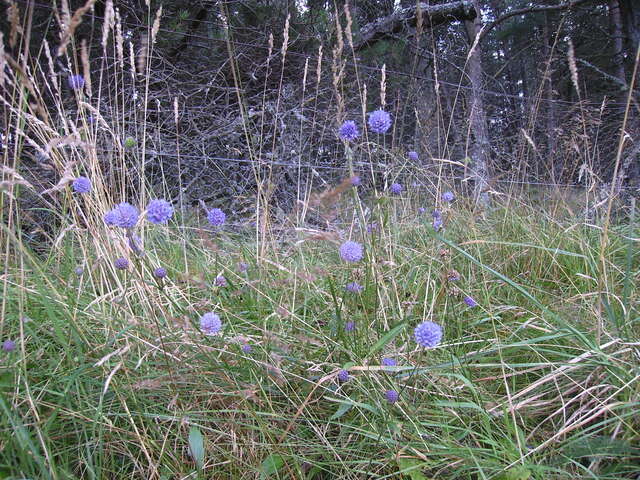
x=383, y=86
x=285, y=41
x=132, y=62
x=330, y=195
x=571, y=58
x=107, y=25
x=337, y=68
x=141, y=61
x=319, y=67
x=348, y=32
x=3, y=62
x=13, y=15
x=119, y=38
x=86, y=71
x=156, y=25
x=73, y=24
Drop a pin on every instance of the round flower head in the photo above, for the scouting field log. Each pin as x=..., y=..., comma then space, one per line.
x=389, y=362
x=379, y=121
x=220, y=281
x=396, y=188
x=354, y=287
x=210, y=323
x=349, y=130
x=246, y=348
x=343, y=376
x=124, y=215
x=413, y=156
x=421, y=210
x=81, y=185
x=79, y=271
x=159, y=211
x=160, y=272
x=121, y=263
x=453, y=276
x=470, y=301
x=216, y=217
x=391, y=396
x=242, y=267
x=8, y=345
x=448, y=196
x=437, y=223
x=428, y=334
x=351, y=251
x=372, y=227
x=349, y=326
x=356, y=181
x=76, y=82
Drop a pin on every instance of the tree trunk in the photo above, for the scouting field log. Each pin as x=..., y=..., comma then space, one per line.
x=480, y=147
x=615, y=25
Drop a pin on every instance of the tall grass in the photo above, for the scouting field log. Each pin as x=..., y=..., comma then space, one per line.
x=113, y=378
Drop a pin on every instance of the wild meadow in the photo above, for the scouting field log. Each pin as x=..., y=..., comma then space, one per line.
x=390, y=325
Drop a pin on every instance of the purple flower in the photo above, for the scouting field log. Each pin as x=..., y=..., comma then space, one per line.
x=216, y=217
x=350, y=326
x=354, y=287
x=75, y=82
x=421, y=210
x=160, y=272
x=81, y=185
x=343, y=376
x=123, y=215
x=351, y=251
x=428, y=334
x=453, y=276
x=242, y=267
x=8, y=345
x=349, y=130
x=470, y=301
x=135, y=244
x=210, y=323
x=437, y=220
x=356, y=181
x=448, y=196
x=159, y=211
x=389, y=362
x=372, y=227
x=413, y=156
x=396, y=188
x=379, y=121
x=121, y=263
x=220, y=281
x=391, y=396
x=79, y=270
x=246, y=348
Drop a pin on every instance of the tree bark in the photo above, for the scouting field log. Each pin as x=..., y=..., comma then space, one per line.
x=615, y=25
x=433, y=15
x=481, y=146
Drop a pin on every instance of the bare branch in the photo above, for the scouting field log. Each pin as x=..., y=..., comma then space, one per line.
x=432, y=15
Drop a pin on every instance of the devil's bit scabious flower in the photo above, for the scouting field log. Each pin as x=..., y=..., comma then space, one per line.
x=391, y=396
x=421, y=210
x=159, y=211
x=343, y=376
x=121, y=263
x=246, y=348
x=413, y=156
x=372, y=227
x=453, y=276
x=242, y=267
x=75, y=82
x=220, y=281
x=79, y=270
x=124, y=215
x=396, y=188
x=437, y=220
x=349, y=130
x=428, y=334
x=389, y=362
x=470, y=301
x=8, y=345
x=81, y=185
x=216, y=217
x=448, y=196
x=160, y=272
x=351, y=251
x=379, y=121
x=354, y=287
x=356, y=181
x=210, y=323
x=350, y=326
